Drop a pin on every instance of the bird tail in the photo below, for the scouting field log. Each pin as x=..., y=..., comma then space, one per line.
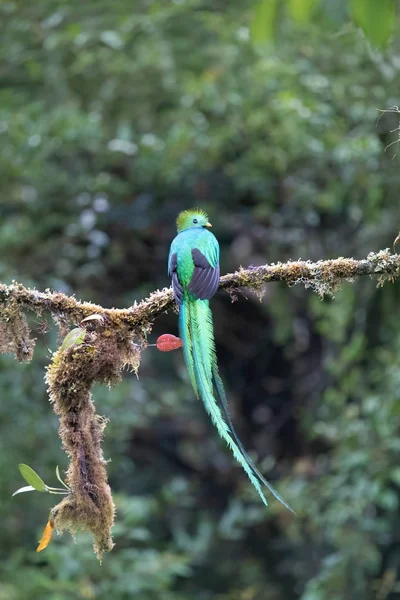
x=197, y=334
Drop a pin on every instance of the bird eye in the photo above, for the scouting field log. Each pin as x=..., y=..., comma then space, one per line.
x=195, y=221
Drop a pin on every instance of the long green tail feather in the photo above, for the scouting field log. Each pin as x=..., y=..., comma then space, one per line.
x=219, y=386
x=203, y=346
x=186, y=337
x=196, y=331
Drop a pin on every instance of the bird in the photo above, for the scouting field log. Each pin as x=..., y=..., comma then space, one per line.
x=193, y=265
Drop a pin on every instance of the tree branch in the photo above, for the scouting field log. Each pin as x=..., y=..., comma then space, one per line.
x=107, y=344
x=324, y=277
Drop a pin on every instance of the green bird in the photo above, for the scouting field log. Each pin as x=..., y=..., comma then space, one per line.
x=193, y=265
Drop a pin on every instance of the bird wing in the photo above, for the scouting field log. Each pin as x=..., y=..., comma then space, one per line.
x=205, y=279
x=176, y=284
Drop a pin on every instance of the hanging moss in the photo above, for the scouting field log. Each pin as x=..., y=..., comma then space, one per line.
x=107, y=346
x=70, y=376
x=15, y=335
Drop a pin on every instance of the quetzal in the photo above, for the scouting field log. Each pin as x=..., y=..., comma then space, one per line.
x=193, y=265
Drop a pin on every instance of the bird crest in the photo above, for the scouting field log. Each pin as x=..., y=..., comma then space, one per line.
x=187, y=218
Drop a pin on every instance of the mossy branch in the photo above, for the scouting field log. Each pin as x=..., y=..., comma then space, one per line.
x=323, y=276
x=72, y=372
x=111, y=340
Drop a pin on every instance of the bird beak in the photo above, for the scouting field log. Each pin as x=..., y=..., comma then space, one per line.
x=208, y=225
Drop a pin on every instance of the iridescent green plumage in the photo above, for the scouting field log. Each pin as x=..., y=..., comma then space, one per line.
x=193, y=264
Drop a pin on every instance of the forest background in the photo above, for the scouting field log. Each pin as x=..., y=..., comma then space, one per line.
x=113, y=118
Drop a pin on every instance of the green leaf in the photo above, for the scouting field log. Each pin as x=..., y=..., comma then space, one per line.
x=59, y=478
x=375, y=18
x=263, y=22
x=32, y=478
x=27, y=488
x=75, y=336
x=300, y=10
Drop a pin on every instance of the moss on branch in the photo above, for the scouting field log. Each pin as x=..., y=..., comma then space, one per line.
x=323, y=276
x=112, y=340
x=70, y=376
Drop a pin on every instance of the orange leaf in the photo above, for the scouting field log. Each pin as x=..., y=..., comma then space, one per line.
x=168, y=342
x=47, y=533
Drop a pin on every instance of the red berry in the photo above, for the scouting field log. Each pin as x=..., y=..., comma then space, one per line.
x=168, y=342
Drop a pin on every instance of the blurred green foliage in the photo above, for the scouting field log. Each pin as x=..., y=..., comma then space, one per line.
x=115, y=116
x=376, y=19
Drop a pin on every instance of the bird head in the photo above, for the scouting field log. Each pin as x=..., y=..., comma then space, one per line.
x=189, y=219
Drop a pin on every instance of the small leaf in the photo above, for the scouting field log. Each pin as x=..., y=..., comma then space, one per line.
x=27, y=488
x=32, y=478
x=46, y=537
x=76, y=336
x=375, y=18
x=168, y=342
x=59, y=478
x=300, y=10
x=263, y=22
